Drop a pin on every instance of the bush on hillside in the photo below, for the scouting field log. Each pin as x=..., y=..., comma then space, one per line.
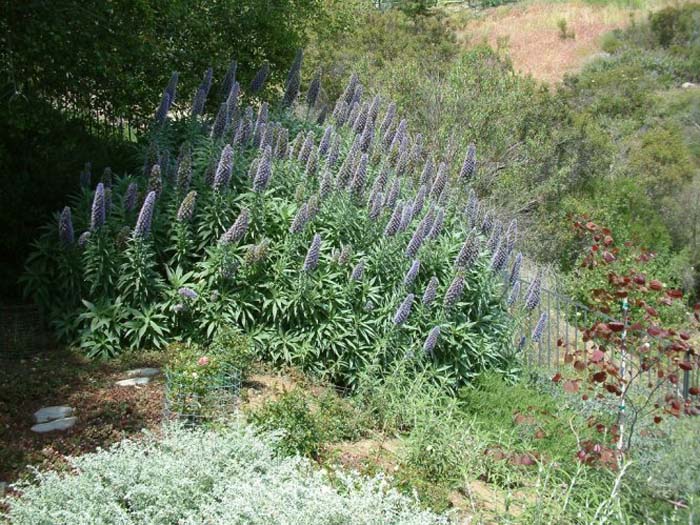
x=334, y=247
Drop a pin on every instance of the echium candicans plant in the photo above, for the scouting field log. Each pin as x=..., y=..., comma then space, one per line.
x=139, y=282
x=200, y=238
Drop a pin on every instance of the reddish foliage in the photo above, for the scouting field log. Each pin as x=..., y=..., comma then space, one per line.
x=656, y=354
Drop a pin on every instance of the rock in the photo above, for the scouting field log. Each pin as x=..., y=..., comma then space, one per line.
x=134, y=381
x=57, y=424
x=50, y=413
x=143, y=372
x=688, y=85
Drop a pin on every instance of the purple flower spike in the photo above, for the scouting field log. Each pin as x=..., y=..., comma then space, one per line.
x=163, y=108
x=420, y=200
x=469, y=252
x=143, y=223
x=188, y=293
x=232, y=99
x=223, y=169
x=171, y=88
x=469, y=165
x=411, y=274
x=404, y=310
x=262, y=176
x=358, y=271
x=393, y=194
x=238, y=230
x=392, y=227
x=258, y=82
x=428, y=172
x=532, y=297
x=440, y=181
x=357, y=186
x=200, y=98
x=186, y=210
x=83, y=239
x=454, y=292
x=500, y=256
x=515, y=269
x=388, y=120
x=430, y=291
x=300, y=220
x=431, y=341
x=282, y=144
x=539, y=328
x=406, y=217
x=65, y=228
x=376, y=206
x=416, y=242
x=333, y=152
x=514, y=294
x=326, y=186
x=130, y=197
x=436, y=230
x=325, y=143
x=221, y=121
x=311, y=260
x=98, y=215
x=314, y=90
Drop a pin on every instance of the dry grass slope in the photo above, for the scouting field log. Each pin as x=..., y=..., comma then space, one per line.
x=530, y=32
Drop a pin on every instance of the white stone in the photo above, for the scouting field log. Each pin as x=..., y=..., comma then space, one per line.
x=50, y=413
x=688, y=85
x=134, y=381
x=143, y=372
x=56, y=424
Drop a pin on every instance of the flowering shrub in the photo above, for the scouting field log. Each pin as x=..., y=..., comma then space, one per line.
x=631, y=357
x=334, y=245
x=197, y=476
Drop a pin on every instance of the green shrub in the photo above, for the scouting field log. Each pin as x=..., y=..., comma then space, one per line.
x=665, y=462
x=291, y=413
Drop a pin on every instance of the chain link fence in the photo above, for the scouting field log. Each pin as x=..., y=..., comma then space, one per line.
x=23, y=332
x=564, y=330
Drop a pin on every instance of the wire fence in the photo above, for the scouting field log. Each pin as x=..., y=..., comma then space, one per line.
x=564, y=332
x=195, y=402
x=23, y=332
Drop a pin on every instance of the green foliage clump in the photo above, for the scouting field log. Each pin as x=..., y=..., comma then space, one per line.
x=310, y=421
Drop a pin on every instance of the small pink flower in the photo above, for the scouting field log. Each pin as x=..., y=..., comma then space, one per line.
x=203, y=361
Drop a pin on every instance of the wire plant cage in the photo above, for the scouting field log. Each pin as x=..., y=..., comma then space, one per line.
x=23, y=332
x=196, y=402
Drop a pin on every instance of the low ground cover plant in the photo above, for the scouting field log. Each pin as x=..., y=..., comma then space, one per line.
x=203, y=476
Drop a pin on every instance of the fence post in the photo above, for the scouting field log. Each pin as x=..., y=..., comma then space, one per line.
x=686, y=377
